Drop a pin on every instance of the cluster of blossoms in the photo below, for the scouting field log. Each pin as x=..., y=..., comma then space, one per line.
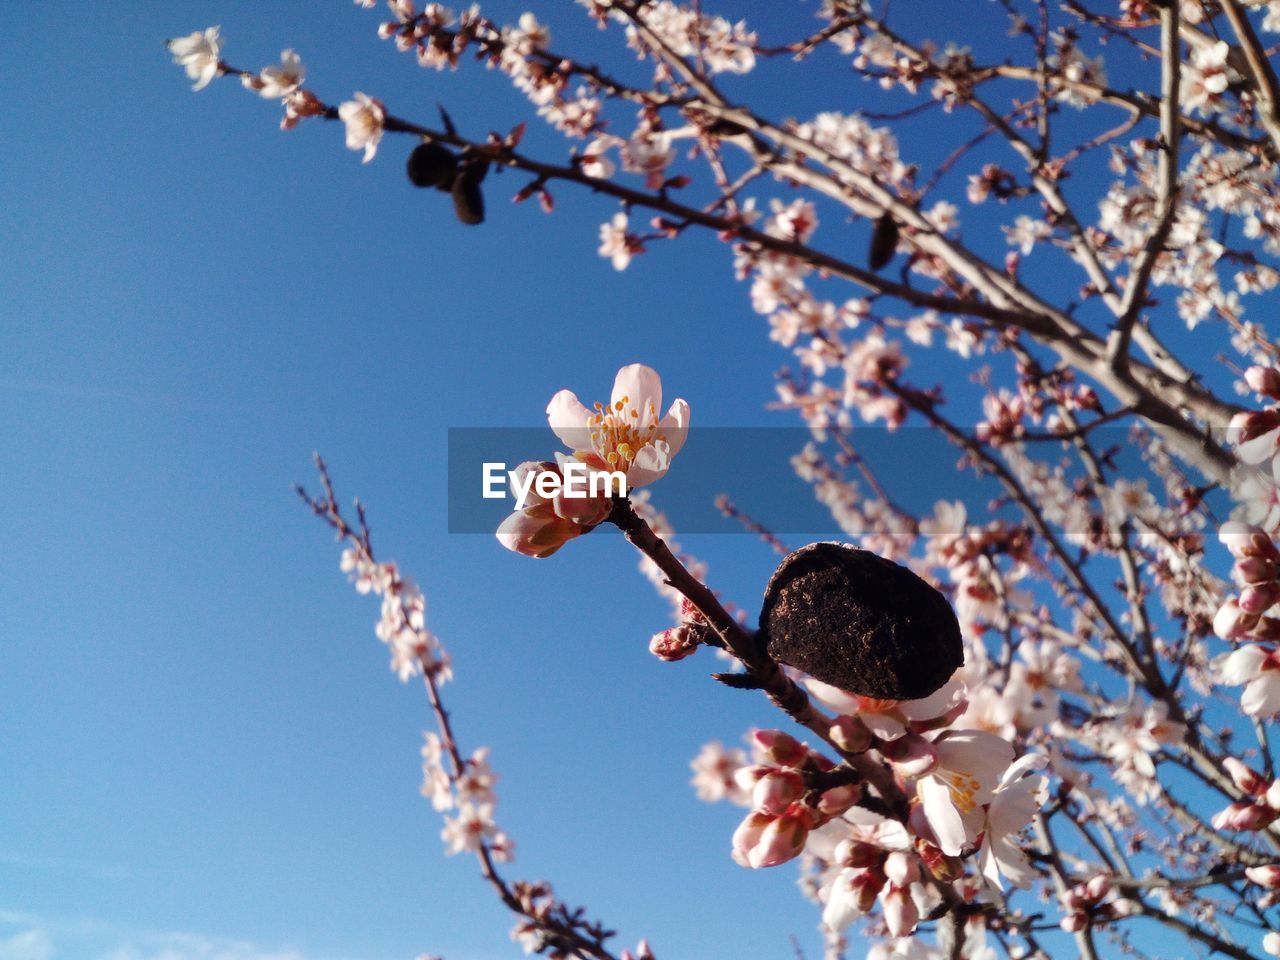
x=1091, y=901
x=467, y=790
x=1248, y=617
x=967, y=795
x=470, y=795
x=402, y=626
x=724, y=47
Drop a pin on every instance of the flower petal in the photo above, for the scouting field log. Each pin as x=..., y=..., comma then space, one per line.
x=568, y=419
x=944, y=818
x=675, y=427
x=641, y=386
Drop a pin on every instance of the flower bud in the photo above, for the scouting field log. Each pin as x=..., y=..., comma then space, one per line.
x=1265, y=876
x=747, y=777
x=777, y=790
x=1248, y=780
x=1246, y=540
x=1243, y=817
x=858, y=853
x=1255, y=570
x=781, y=838
x=1272, y=797
x=1258, y=598
x=1250, y=424
x=748, y=835
x=900, y=913
x=1252, y=433
x=673, y=644
x=1264, y=380
x=1098, y=887
x=837, y=800
x=780, y=748
x=1232, y=622
x=850, y=734
x=860, y=623
x=911, y=755
x=1074, y=922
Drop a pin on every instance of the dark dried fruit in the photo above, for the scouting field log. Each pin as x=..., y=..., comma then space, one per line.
x=432, y=165
x=861, y=623
x=468, y=201
x=884, y=241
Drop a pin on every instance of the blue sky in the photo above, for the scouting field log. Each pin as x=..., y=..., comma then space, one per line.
x=206, y=756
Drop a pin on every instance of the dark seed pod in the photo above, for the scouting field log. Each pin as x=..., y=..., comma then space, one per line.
x=884, y=241
x=468, y=201
x=432, y=165
x=861, y=623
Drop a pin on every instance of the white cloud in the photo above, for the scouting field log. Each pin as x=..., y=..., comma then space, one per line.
x=32, y=938
x=33, y=944
x=192, y=946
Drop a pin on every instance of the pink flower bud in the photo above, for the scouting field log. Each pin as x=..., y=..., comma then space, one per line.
x=747, y=777
x=748, y=835
x=1243, y=816
x=673, y=644
x=900, y=913
x=781, y=748
x=1246, y=779
x=777, y=790
x=901, y=869
x=1255, y=570
x=1251, y=424
x=850, y=734
x=1074, y=922
x=1232, y=622
x=857, y=853
x=1265, y=876
x=1260, y=597
x=1272, y=797
x=911, y=755
x=1264, y=380
x=867, y=887
x=782, y=838
x=837, y=800
x=1098, y=887
x=1075, y=898
x=537, y=532
x=1246, y=540
x=1252, y=432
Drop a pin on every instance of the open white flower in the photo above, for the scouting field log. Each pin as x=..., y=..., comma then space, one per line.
x=627, y=435
x=364, y=117
x=1017, y=798
x=970, y=763
x=282, y=79
x=198, y=53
